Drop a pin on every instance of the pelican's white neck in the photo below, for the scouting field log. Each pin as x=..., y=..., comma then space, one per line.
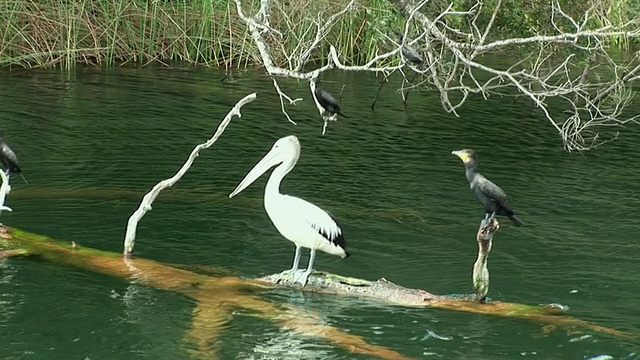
x=273, y=184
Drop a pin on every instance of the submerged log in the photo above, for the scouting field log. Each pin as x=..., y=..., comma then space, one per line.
x=217, y=295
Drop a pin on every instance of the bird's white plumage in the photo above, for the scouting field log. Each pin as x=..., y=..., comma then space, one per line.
x=299, y=221
x=304, y=223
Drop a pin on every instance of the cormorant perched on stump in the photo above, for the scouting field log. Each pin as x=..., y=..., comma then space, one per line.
x=493, y=199
x=327, y=101
x=9, y=159
x=408, y=51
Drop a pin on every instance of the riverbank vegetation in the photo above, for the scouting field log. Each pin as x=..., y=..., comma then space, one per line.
x=44, y=33
x=557, y=50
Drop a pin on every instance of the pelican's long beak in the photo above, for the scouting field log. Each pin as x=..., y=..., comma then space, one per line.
x=463, y=155
x=268, y=161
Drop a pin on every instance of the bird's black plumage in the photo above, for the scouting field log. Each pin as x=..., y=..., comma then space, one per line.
x=8, y=157
x=335, y=237
x=408, y=51
x=493, y=199
x=327, y=101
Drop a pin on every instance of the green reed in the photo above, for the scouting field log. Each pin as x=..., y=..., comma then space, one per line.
x=44, y=33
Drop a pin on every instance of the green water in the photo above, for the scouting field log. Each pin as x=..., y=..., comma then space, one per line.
x=92, y=143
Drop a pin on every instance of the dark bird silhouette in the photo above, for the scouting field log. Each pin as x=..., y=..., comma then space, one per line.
x=408, y=51
x=327, y=101
x=493, y=199
x=9, y=159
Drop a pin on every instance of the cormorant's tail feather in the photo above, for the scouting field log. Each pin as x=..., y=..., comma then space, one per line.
x=341, y=114
x=516, y=220
x=25, y=180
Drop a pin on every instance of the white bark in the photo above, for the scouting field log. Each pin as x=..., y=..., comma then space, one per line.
x=298, y=57
x=150, y=197
x=540, y=77
x=5, y=188
x=454, y=63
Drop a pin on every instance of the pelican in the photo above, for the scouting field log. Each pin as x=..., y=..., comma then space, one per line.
x=297, y=220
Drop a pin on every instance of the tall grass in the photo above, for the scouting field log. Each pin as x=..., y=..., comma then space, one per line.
x=43, y=33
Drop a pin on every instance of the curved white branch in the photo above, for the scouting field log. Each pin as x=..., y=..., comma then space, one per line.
x=5, y=188
x=258, y=30
x=150, y=197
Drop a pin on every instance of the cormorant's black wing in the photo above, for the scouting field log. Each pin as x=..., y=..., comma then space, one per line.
x=411, y=54
x=494, y=192
x=9, y=158
x=326, y=96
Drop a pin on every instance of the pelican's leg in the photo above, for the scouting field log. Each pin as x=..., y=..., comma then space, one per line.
x=296, y=261
x=302, y=278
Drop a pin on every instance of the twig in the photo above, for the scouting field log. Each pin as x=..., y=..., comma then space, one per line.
x=455, y=68
x=150, y=197
x=258, y=31
x=5, y=188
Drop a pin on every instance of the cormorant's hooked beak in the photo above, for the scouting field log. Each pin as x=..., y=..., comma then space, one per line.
x=462, y=154
x=272, y=158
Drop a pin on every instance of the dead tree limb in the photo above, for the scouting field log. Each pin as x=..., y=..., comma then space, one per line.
x=150, y=197
x=268, y=40
x=549, y=69
x=5, y=188
x=484, y=237
x=547, y=73
x=217, y=295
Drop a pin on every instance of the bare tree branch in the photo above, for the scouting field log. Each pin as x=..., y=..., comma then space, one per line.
x=150, y=197
x=552, y=70
x=301, y=54
x=550, y=75
x=5, y=188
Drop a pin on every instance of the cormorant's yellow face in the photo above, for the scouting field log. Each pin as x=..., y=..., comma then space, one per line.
x=463, y=155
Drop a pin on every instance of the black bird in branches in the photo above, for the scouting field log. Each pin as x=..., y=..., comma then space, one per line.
x=493, y=199
x=327, y=101
x=9, y=159
x=408, y=51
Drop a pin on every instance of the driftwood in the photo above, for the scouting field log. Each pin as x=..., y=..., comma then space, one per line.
x=480, y=270
x=216, y=296
x=150, y=197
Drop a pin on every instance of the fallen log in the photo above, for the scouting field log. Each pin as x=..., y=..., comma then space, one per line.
x=217, y=295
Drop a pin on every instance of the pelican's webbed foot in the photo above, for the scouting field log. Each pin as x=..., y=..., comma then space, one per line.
x=290, y=276
x=290, y=271
x=302, y=277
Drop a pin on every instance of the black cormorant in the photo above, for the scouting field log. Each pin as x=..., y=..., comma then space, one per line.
x=327, y=101
x=9, y=159
x=408, y=51
x=493, y=199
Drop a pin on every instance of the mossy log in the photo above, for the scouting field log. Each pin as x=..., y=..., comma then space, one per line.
x=217, y=295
